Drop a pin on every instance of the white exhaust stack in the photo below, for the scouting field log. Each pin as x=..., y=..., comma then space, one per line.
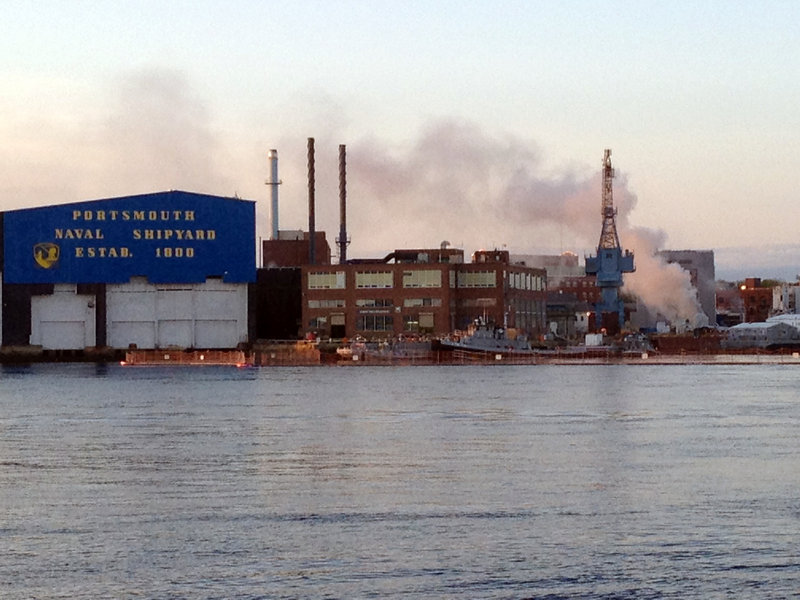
x=274, y=182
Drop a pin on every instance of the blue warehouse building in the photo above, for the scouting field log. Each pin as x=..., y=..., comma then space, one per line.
x=161, y=270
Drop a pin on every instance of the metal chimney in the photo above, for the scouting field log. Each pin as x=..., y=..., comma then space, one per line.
x=311, y=215
x=274, y=182
x=342, y=204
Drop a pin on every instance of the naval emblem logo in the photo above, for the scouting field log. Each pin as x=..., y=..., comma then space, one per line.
x=46, y=255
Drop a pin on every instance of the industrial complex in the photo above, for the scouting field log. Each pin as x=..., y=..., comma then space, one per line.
x=177, y=271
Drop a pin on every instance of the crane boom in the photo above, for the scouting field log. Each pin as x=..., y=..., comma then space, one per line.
x=608, y=236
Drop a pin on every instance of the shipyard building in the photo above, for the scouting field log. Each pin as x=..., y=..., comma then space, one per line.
x=422, y=292
x=407, y=293
x=168, y=269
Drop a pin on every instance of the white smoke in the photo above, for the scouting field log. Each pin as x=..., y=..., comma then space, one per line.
x=664, y=288
x=158, y=135
x=457, y=182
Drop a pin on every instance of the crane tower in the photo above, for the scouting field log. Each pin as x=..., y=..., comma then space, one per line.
x=610, y=262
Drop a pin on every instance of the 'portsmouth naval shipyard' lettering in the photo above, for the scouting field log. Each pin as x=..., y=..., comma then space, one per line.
x=149, y=231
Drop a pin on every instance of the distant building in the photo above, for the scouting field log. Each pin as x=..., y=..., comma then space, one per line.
x=756, y=300
x=700, y=266
x=785, y=298
x=730, y=309
x=583, y=287
x=766, y=335
x=792, y=319
x=558, y=266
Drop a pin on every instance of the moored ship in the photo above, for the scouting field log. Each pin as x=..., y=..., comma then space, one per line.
x=484, y=338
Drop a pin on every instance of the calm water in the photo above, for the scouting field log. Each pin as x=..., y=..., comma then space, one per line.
x=440, y=482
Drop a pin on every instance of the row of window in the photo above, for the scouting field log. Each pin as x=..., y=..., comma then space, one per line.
x=375, y=323
x=529, y=315
x=425, y=278
x=422, y=323
x=421, y=278
x=326, y=281
x=526, y=281
x=477, y=279
x=334, y=303
x=581, y=282
x=374, y=302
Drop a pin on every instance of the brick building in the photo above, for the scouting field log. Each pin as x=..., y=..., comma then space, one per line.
x=293, y=248
x=417, y=292
x=756, y=300
x=583, y=287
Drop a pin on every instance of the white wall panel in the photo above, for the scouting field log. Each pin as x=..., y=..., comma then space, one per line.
x=63, y=320
x=175, y=333
x=131, y=302
x=214, y=334
x=218, y=304
x=59, y=335
x=208, y=315
x=142, y=334
x=174, y=303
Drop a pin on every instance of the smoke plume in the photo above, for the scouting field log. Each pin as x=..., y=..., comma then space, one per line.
x=147, y=132
x=664, y=288
x=158, y=135
x=458, y=183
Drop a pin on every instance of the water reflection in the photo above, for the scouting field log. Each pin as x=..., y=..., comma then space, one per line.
x=617, y=482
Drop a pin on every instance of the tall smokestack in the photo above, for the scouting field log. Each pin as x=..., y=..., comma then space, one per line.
x=311, y=215
x=342, y=204
x=274, y=182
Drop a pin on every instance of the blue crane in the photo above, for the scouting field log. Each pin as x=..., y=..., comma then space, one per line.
x=610, y=262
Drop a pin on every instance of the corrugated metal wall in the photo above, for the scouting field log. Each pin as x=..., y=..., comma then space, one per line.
x=208, y=315
x=64, y=320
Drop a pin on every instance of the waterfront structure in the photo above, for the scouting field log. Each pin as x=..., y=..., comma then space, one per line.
x=610, y=262
x=168, y=269
x=768, y=335
x=792, y=319
x=422, y=292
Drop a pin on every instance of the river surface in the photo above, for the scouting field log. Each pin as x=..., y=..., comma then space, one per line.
x=400, y=482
